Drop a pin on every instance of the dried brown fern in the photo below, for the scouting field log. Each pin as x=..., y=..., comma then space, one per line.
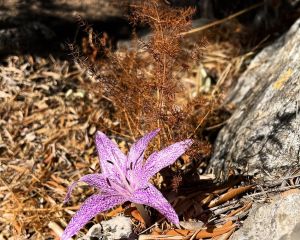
x=144, y=82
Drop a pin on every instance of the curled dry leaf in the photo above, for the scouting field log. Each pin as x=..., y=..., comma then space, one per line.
x=244, y=208
x=205, y=233
x=232, y=193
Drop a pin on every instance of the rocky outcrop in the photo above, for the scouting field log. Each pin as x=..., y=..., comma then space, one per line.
x=262, y=137
x=119, y=227
x=277, y=220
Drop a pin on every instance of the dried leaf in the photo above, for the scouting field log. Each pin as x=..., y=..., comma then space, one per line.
x=115, y=211
x=246, y=207
x=207, y=233
x=188, y=225
x=136, y=215
x=232, y=193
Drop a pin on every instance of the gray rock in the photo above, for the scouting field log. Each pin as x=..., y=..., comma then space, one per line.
x=262, y=137
x=278, y=220
x=65, y=9
x=37, y=26
x=116, y=228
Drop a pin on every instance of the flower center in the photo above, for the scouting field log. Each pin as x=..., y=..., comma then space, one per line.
x=124, y=183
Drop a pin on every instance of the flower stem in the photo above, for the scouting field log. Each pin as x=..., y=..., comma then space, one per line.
x=143, y=213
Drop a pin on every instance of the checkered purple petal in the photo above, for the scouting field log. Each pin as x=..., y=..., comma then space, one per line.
x=95, y=180
x=164, y=158
x=150, y=196
x=90, y=208
x=109, y=154
x=136, y=153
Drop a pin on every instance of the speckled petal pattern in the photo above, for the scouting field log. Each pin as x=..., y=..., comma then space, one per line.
x=91, y=207
x=164, y=158
x=95, y=180
x=125, y=179
x=109, y=154
x=152, y=197
x=137, y=149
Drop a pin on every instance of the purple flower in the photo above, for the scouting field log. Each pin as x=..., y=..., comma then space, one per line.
x=125, y=178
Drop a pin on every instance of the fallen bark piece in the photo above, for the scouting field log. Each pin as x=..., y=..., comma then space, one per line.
x=262, y=137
